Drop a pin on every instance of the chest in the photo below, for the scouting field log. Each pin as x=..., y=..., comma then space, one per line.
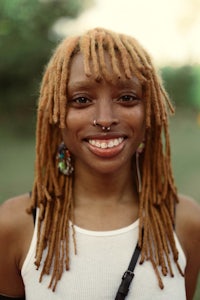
x=96, y=270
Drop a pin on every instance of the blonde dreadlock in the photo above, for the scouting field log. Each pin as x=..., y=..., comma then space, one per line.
x=52, y=192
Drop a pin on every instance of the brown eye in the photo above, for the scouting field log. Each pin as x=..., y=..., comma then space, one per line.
x=81, y=100
x=128, y=98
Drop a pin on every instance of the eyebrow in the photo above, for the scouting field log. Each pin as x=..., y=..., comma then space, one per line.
x=90, y=83
x=81, y=84
x=129, y=83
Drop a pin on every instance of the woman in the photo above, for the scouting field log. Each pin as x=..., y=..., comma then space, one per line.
x=103, y=185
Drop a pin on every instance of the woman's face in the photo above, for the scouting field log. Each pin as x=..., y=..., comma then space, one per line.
x=118, y=105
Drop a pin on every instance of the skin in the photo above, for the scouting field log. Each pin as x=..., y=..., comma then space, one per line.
x=119, y=105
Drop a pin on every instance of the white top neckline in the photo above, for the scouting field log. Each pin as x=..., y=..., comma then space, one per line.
x=106, y=232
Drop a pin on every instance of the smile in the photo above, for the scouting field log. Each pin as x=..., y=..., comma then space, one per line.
x=104, y=144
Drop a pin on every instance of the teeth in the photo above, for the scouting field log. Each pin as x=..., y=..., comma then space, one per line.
x=106, y=144
x=103, y=145
x=110, y=144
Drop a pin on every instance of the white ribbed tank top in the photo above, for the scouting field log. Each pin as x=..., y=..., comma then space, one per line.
x=95, y=272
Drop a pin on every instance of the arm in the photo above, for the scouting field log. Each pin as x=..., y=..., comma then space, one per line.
x=15, y=236
x=188, y=231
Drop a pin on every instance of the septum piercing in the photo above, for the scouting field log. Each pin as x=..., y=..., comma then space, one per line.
x=104, y=128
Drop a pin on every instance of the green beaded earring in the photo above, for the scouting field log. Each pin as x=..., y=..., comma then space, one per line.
x=64, y=160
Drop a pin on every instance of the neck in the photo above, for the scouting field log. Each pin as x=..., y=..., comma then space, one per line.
x=104, y=188
x=104, y=201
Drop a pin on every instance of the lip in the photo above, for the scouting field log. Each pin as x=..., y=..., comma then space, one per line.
x=105, y=136
x=116, y=144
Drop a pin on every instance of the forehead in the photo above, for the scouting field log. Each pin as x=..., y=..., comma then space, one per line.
x=77, y=71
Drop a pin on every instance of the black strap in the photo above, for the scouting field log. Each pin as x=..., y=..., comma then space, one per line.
x=34, y=214
x=33, y=211
x=128, y=275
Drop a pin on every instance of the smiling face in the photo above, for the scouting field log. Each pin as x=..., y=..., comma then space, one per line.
x=118, y=105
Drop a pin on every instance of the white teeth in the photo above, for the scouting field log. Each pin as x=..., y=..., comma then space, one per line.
x=97, y=144
x=116, y=142
x=106, y=144
x=92, y=142
x=110, y=144
x=103, y=145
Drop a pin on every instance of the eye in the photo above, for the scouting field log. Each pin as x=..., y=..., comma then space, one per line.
x=79, y=102
x=128, y=99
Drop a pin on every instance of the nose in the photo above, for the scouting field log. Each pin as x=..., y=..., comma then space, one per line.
x=105, y=114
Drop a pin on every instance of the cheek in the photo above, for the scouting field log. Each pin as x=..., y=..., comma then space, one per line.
x=78, y=118
x=73, y=118
x=136, y=118
x=69, y=133
x=75, y=122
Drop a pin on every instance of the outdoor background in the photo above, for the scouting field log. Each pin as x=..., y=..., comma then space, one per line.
x=29, y=31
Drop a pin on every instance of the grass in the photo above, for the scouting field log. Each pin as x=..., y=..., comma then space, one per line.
x=17, y=156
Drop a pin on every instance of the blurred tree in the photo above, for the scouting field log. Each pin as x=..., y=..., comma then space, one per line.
x=26, y=42
x=183, y=85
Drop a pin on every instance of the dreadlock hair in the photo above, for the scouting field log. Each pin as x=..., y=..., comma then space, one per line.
x=52, y=191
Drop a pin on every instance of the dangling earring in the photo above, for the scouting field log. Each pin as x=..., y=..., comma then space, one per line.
x=64, y=160
x=138, y=152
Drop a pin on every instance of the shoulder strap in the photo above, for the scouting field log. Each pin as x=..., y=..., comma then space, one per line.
x=34, y=215
x=128, y=275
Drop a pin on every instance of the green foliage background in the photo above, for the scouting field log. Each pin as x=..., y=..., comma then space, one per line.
x=183, y=85
x=26, y=44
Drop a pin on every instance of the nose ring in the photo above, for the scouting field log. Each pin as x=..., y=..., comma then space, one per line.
x=104, y=128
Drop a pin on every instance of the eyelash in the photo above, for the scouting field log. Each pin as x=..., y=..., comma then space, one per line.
x=126, y=100
x=80, y=101
x=77, y=100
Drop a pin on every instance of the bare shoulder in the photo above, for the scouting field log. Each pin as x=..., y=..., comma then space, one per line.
x=18, y=202
x=188, y=232
x=13, y=214
x=16, y=228
x=188, y=214
x=14, y=219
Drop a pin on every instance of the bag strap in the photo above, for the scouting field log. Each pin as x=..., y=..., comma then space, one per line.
x=128, y=275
